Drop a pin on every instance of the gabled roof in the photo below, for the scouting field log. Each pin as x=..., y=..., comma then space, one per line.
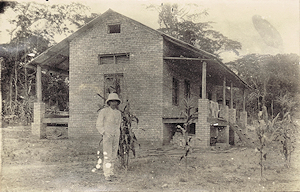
x=56, y=58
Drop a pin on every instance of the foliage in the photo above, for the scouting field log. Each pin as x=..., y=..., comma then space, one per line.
x=21, y=110
x=270, y=76
x=47, y=20
x=285, y=134
x=261, y=133
x=59, y=85
x=287, y=103
x=4, y=5
x=281, y=130
x=182, y=23
x=34, y=28
x=284, y=130
x=127, y=136
x=189, y=114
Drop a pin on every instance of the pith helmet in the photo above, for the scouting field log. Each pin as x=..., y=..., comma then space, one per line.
x=113, y=97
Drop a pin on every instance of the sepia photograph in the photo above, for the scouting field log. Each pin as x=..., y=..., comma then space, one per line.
x=149, y=95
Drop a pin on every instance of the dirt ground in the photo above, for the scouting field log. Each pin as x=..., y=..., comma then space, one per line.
x=31, y=164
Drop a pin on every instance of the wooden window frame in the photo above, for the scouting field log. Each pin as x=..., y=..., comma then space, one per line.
x=187, y=88
x=175, y=91
x=110, y=29
x=200, y=92
x=114, y=56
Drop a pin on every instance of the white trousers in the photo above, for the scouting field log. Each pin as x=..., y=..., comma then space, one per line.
x=110, y=153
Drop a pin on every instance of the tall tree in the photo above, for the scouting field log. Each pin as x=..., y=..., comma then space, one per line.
x=272, y=77
x=48, y=20
x=182, y=22
x=35, y=26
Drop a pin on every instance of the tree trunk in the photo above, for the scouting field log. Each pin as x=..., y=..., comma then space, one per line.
x=25, y=74
x=1, y=60
x=16, y=72
x=264, y=92
x=10, y=92
x=16, y=81
x=25, y=83
x=186, y=146
x=266, y=80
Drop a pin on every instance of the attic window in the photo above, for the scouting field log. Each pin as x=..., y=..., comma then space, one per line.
x=114, y=28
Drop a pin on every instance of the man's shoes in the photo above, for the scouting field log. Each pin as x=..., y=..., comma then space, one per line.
x=108, y=178
x=111, y=178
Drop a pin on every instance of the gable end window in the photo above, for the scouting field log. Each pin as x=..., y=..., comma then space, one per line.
x=114, y=28
x=118, y=58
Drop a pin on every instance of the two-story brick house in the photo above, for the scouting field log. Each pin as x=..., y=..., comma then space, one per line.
x=150, y=69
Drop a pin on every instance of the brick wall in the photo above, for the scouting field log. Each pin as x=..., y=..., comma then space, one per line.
x=243, y=121
x=202, y=127
x=142, y=76
x=37, y=127
x=232, y=115
x=233, y=137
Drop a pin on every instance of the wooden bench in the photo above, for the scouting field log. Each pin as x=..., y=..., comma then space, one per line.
x=56, y=119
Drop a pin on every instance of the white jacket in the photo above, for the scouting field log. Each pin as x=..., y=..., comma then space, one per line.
x=109, y=121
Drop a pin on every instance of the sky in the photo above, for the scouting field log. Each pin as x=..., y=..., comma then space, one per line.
x=233, y=18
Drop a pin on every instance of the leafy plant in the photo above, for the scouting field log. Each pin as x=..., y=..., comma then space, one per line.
x=261, y=133
x=189, y=117
x=274, y=78
x=19, y=111
x=285, y=135
x=127, y=137
x=282, y=130
x=33, y=27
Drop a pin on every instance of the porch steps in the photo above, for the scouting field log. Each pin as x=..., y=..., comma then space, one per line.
x=244, y=138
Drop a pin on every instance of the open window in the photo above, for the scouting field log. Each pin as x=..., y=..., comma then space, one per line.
x=116, y=28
